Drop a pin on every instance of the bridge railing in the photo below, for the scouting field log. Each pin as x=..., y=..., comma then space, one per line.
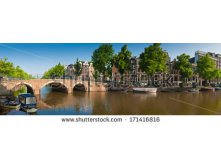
x=5, y=80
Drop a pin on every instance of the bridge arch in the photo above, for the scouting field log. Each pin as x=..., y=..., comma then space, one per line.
x=60, y=85
x=29, y=87
x=80, y=87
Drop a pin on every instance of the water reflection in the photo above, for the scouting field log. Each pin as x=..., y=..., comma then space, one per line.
x=116, y=103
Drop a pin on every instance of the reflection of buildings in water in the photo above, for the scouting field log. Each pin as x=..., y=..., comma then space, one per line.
x=123, y=102
x=144, y=96
x=100, y=103
x=108, y=103
x=117, y=103
x=79, y=101
x=54, y=99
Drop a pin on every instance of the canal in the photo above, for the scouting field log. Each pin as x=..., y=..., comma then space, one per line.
x=118, y=103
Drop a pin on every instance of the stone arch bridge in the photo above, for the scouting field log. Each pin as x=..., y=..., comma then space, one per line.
x=35, y=85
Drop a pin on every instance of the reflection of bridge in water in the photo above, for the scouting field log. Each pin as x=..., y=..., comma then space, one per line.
x=34, y=86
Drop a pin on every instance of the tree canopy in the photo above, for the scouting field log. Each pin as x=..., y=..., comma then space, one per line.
x=77, y=68
x=206, y=68
x=217, y=73
x=122, y=60
x=184, y=66
x=7, y=69
x=56, y=71
x=153, y=59
x=102, y=58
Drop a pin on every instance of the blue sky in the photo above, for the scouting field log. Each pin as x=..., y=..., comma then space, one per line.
x=36, y=58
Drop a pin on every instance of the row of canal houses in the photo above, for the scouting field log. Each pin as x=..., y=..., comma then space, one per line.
x=86, y=74
x=137, y=77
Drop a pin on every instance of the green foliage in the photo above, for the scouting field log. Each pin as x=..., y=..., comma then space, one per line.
x=78, y=68
x=153, y=59
x=56, y=71
x=122, y=60
x=102, y=59
x=217, y=73
x=22, y=89
x=206, y=68
x=184, y=66
x=96, y=75
x=8, y=69
x=21, y=74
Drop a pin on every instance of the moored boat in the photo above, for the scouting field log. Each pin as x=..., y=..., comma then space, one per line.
x=116, y=89
x=193, y=90
x=6, y=102
x=28, y=102
x=217, y=88
x=12, y=105
x=145, y=90
x=207, y=89
x=3, y=100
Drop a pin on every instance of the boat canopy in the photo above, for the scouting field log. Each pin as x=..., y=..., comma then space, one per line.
x=27, y=98
x=30, y=100
x=26, y=95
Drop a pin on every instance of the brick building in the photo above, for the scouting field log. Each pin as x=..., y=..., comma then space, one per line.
x=215, y=57
x=86, y=74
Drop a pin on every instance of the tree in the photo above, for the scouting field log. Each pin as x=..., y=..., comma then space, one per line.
x=77, y=68
x=184, y=66
x=206, y=68
x=122, y=60
x=19, y=73
x=102, y=58
x=8, y=69
x=153, y=60
x=56, y=71
x=217, y=74
x=96, y=74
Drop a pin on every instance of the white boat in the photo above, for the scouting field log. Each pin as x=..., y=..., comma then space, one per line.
x=194, y=90
x=30, y=110
x=145, y=90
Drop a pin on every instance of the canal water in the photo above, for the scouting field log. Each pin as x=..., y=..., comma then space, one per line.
x=118, y=103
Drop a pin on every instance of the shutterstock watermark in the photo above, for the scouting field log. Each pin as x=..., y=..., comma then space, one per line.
x=94, y=119
x=111, y=119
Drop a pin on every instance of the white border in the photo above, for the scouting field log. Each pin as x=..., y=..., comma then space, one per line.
x=44, y=141
x=110, y=21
